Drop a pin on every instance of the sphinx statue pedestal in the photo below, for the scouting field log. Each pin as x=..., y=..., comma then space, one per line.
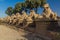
x=42, y=26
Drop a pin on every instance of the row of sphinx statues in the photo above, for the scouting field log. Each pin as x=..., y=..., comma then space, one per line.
x=24, y=17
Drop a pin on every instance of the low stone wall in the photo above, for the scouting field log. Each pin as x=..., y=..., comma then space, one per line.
x=43, y=26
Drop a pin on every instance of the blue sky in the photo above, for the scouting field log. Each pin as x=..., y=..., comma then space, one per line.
x=4, y=4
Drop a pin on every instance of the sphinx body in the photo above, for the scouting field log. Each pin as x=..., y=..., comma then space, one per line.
x=34, y=15
x=7, y=19
x=24, y=15
x=13, y=19
x=48, y=13
x=27, y=19
x=19, y=19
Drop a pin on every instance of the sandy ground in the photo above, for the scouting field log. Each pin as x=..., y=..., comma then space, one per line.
x=7, y=33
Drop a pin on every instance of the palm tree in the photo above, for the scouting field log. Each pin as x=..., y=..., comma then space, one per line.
x=38, y=3
x=17, y=8
x=34, y=4
x=9, y=11
x=24, y=7
x=43, y=2
x=27, y=5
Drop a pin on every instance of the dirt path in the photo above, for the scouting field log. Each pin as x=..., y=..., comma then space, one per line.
x=9, y=34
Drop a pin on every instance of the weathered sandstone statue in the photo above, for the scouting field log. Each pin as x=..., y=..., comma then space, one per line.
x=19, y=19
x=24, y=15
x=13, y=19
x=27, y=20
x=7, y=19
x=39, y=16
x=48, y=13
x=33, y=14
x=2, y=20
